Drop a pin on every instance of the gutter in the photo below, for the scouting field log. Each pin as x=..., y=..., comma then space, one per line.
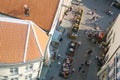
x=57, y=15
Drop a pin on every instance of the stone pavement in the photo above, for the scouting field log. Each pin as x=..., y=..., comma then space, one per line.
x=80, y=55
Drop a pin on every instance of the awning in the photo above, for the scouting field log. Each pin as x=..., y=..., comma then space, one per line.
x=100, y=36
x=56, y=36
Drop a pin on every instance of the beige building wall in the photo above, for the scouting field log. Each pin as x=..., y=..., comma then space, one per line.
x=65, y=5
x=113, y=38
x=22, y=72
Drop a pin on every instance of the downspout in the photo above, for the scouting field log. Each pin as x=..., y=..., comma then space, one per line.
x=52, y=30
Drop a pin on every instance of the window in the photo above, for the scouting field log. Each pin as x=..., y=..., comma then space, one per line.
x=111, y=66
x=106, y=58
x=14, y=70
x=109, y=34
x=112, y=75
x=113, y=37
x=29, y=67
x=28, y=77
x=14, y=79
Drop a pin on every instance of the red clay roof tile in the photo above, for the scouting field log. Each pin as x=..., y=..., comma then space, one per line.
x=13, y=41
x=42, y=12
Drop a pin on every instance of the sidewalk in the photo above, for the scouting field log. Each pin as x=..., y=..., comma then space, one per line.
x=80, y=54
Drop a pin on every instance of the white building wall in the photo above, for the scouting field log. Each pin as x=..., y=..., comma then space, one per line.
x=22, y=71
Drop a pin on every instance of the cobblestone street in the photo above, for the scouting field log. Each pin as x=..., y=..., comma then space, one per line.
x=87, y=72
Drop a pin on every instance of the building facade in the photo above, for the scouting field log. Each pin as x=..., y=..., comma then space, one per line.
x=28, y=71
x=111, y=68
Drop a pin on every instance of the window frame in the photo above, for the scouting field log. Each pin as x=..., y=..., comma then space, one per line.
x=14, y=70
x=29, y=67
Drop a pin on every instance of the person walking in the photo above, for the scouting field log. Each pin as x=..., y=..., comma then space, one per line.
x=93, y=11
x=60, y=39
x=70, y=8
x=26, y=10
x=58, y=57
x=89, y=52
x=79, y=69
x=73, y=70
x=87, y=62
x=79, y=43
x=93, y=18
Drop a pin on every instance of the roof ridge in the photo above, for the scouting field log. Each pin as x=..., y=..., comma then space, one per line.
x=37, y=39
x=26, y=44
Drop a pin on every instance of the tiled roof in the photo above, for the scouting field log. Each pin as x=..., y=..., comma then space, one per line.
x=42, y=12
x=13, y=41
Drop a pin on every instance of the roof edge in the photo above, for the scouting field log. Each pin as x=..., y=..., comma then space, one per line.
x=21, y=63
x=37, y=39
x=55, y=20
x=13, y=20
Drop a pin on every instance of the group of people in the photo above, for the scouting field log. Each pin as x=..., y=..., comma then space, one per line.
x=66, y=68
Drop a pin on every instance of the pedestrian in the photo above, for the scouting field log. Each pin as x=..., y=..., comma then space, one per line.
x=93, y=18
x=93, y=11
x=58, y=57
x=79, y=69
x=26, y=10
x=73, y=70
x=70, y=8
x=60, y=39
x=82, y=65
x=97, y=17
x=89, y=52
x=86, y=62
x=79, y=43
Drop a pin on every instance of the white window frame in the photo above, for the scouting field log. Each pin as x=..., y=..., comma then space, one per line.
x=29, y=67
x=14, y=79
x=14, y=70
x=28, y=77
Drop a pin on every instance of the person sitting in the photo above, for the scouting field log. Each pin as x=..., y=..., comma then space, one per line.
x=26, y=10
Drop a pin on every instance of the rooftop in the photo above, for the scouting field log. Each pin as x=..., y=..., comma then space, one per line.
x=42, y=12
x=21, y=41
